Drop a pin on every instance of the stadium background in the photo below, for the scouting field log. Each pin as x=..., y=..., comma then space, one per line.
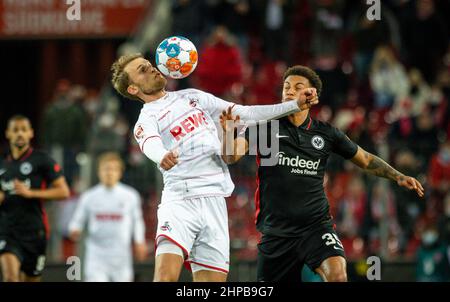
x=386, y=84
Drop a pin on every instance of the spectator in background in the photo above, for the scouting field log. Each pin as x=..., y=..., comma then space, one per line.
x=221, y=65
x=329, y=70
x=186, y=21
x=439, y=170
x=276, y=22
x=408, y=206
x=65, y=126
x=237, y=17
x=91, y=104
x=351, y=208
x=388, y=78
x=381, y=211
x=432, y=259
x=425, y=38
x=369, y=34
x=111, y=135
x=328, y=25
x=424, y=137
x=444, y=223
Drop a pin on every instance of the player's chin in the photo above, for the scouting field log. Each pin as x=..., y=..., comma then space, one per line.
x=161, y=82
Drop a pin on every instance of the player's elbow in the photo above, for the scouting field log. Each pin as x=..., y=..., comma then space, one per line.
x=230, y=159
x=65, y=192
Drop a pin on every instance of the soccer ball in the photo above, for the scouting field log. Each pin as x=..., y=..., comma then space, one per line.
x=176, y=57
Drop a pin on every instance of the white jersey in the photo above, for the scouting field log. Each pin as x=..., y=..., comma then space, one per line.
x=114, y=219
x=188, y=121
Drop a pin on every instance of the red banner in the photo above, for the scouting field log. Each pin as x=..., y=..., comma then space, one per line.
x=70, y=18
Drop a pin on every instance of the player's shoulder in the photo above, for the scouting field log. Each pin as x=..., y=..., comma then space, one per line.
x=188, y=91
x=323, y=126
x=192, y=93
x=41, y=155
x=92, y=190
x=127, y=189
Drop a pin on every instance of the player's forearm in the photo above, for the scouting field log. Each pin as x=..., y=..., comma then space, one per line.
x=265, y=112
x=233, y=149
x=51, y=193
x=2, y=196
x=154, y=150
x=380, y=168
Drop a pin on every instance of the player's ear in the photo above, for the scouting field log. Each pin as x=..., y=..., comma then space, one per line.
x=132, y=89
x=31, y=133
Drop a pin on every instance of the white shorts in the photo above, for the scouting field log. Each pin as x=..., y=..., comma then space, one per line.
x=96, y=269
x=199, y=226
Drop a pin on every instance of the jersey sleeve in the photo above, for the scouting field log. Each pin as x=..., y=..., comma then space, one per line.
x=148, y=137
x=139, y=225
x=80, y=215
x=343, y=145
x=51, y=169
x=249, y=114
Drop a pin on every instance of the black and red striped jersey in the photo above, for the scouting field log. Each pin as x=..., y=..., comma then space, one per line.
x=290, y=196
x=19, y=215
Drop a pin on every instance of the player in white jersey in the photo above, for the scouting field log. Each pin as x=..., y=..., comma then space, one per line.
x=179, y=132
x=113, y=214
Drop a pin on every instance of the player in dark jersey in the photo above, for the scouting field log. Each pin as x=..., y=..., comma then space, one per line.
x=292, y=209
x=27, y=177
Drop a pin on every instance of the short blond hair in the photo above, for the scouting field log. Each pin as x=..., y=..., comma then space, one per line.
x=120, y=79
x=110, y=156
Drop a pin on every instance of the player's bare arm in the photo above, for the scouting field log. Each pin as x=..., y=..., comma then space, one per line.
x=58, y=190
x=378, y=167
x=75, y=235
x=232, y=150
x=140, y=251
x=2, y=197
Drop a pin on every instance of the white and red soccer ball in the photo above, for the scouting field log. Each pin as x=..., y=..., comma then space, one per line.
x=176, y=57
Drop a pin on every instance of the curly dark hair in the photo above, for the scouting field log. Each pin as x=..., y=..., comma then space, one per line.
x=306, y=72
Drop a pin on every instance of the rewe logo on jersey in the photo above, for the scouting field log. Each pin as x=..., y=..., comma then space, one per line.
x=188, y=125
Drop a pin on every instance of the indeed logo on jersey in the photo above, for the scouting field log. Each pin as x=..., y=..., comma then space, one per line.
x=308, y=167
x=188, y=125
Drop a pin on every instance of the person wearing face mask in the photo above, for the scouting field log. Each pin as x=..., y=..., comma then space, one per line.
x=432, y=260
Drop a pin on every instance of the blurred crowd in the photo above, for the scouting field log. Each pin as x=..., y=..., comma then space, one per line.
x=386, y=84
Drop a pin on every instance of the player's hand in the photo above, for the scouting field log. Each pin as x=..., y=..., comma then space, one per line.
x=140, y=251
x=411, y=183
x=75, y=236
x=308, y=98
x=169, y=160
x=22, y=190
x=227, y=116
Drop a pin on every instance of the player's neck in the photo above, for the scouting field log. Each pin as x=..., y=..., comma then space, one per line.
x=17, y=153
x=148, y=98
x=298, y=118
